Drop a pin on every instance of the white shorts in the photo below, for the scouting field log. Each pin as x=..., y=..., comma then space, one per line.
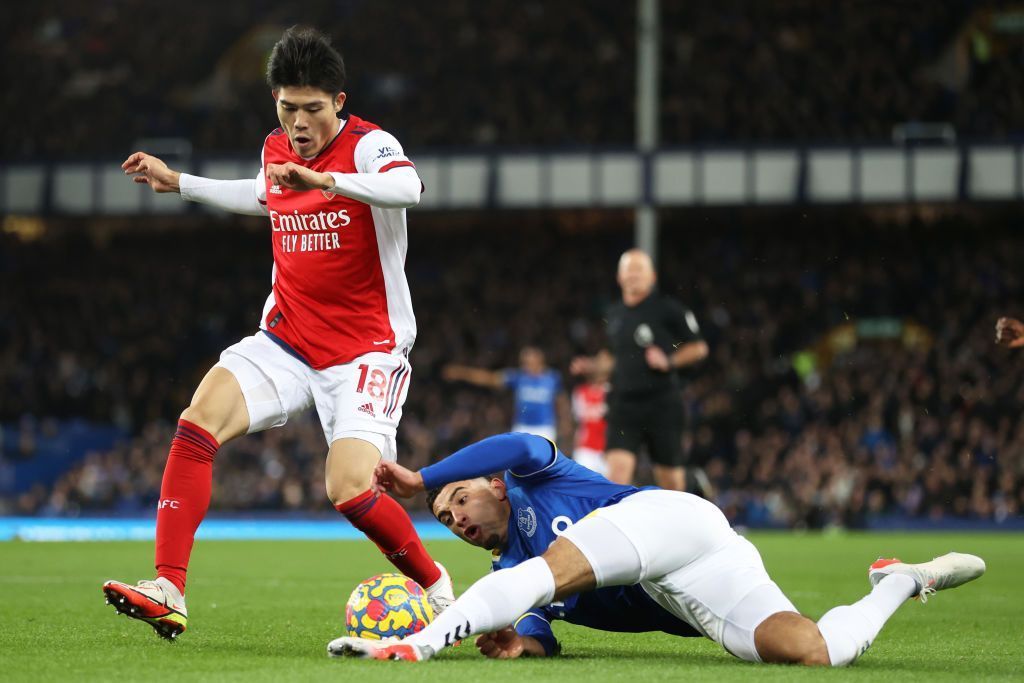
x=361, y=399
x=546, y=431
x=681, y=549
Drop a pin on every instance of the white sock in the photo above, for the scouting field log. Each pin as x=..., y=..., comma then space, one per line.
x=849, y=630
x=440, y=583
x=492, y=603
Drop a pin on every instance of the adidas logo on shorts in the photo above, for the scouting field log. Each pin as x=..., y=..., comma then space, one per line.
x=368, y=409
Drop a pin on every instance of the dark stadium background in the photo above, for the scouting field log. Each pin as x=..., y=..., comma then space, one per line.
x=852, y=380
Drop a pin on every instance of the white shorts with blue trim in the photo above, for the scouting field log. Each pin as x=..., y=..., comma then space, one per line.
x=361, y=399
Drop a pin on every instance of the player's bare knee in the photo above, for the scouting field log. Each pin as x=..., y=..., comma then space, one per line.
x=349, y=469
x=790, y=638
x=200, y=416
x=570, y=567
x=344, y=485
x=218, y=406
x=339, y=492
x=818, y=656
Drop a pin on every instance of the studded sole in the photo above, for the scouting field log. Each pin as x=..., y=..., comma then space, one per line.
x=165, y=628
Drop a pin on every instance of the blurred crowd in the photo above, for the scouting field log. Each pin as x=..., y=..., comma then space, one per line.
x=852, y=375
x=106, y=77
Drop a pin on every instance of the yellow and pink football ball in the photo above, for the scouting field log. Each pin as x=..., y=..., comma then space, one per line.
x=387, y=606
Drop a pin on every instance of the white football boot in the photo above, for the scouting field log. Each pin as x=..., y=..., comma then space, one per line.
x=947, y=571
x=158, y=603
x=441, y=595
x=364, y=648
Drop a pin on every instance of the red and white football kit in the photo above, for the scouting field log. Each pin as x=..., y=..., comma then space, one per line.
x=335, y=333
x=338, y=325
x=589, y=407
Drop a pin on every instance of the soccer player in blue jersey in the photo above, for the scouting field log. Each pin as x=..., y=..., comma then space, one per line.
x=539, y=399
x=570, y=544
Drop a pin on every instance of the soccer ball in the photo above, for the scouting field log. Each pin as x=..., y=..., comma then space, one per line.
x=387, y=606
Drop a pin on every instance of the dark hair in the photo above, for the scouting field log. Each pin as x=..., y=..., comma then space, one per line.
x=433, y=493
x=431, y=497
x=305, y=57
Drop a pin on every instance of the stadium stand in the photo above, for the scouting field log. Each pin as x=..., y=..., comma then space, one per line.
x=732, y=73
x=852, y=377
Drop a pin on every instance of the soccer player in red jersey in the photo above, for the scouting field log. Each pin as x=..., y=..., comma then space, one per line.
x=589, y=407
x=336, y=329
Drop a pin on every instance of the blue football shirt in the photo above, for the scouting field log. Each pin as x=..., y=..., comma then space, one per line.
x=535, y=396
x=544, y=504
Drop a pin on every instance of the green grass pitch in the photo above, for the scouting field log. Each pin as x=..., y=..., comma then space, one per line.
x=264, y=611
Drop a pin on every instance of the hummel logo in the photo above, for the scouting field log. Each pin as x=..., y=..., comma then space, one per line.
x=459, y=634
x=368, y=409
x=276, y=189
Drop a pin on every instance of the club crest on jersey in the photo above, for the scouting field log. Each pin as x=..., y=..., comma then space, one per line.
x=328, y=195
x=527, y=520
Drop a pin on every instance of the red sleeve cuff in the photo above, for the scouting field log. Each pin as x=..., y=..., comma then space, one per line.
x=395, y=164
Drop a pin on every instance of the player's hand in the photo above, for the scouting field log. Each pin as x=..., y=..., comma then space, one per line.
x=656, y=359
x=149, y=170
x=392, y=478
x=503, y=644
x=1010, y=333
x=296, y=177
x=581, y=365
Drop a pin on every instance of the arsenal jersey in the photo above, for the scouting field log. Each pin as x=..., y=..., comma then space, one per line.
x=339, y=286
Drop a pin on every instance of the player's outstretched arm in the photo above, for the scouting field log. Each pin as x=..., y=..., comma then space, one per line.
x=236, y=196
x=602, y=363
x=522, y=453
x=478, y=376
x=395, y=479
x=146, y=169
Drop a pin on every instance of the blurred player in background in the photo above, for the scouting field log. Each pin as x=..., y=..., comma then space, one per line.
x=589, y=407
x=569, y=544
x=1010, y=333
x=539, y=399
x=335, y=332
x=652, y=337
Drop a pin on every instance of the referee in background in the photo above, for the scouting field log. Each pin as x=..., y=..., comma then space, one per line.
x=651, y=336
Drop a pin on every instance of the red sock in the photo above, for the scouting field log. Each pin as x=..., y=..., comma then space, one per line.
x=387, y=524
x=184, y=499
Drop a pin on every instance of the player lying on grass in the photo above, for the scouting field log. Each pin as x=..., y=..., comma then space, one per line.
x=570, y=544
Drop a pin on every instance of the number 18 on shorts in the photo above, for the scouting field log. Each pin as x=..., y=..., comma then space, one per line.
x=361, y=399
